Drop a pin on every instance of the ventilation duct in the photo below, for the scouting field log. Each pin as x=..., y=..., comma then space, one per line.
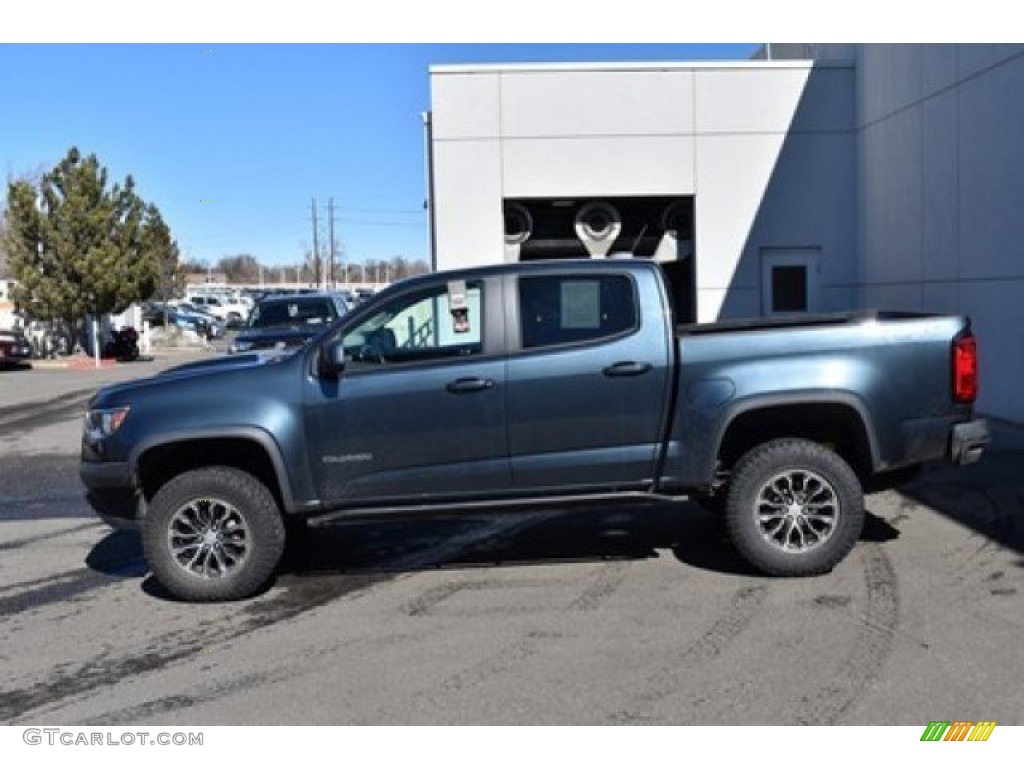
x=598, y=226
x=677, y=241
x=518, y=228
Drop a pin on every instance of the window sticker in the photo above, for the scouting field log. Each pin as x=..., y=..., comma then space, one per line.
x=581, y=304
x=458, y=305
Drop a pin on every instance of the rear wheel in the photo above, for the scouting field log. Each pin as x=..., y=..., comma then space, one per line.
x=794, y=508
x=213, y=534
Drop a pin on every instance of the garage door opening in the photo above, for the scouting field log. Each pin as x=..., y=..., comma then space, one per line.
x=657, y=227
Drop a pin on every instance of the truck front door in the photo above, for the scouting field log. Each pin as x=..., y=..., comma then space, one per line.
x=419, y=412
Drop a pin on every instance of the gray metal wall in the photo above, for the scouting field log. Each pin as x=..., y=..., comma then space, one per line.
x=940, y=176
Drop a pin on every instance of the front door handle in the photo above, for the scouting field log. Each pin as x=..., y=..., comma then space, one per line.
x=627, y=368
x=469, y=384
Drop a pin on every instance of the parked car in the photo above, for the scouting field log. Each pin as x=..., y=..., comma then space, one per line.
x=523, y=385
x=289, y=321
x=363, y=295
x=216, y=325
x=14, y=348
x=231, y=311
x=155, y=314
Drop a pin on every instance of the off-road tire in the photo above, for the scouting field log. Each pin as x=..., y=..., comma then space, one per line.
x=805, y=530
x=250, y=514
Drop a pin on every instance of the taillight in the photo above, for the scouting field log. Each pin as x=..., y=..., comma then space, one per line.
x=965, y=368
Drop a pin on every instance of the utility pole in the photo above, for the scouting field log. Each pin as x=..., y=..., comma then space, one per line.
x=330, y=223
x=316, y=250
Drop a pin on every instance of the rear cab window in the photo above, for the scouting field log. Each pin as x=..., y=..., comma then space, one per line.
x=555, y=310
x=293, y=312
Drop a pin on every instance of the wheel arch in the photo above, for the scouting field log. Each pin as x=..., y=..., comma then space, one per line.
x=251, y=450
x=839, y=420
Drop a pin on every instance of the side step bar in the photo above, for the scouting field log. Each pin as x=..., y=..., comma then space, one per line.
x=497, y=506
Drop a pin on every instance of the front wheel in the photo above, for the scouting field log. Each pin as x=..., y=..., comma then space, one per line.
x=213, y=534
x=794, y=508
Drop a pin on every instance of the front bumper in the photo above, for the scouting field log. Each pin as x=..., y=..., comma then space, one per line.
x=111, y=491
x=968, y=440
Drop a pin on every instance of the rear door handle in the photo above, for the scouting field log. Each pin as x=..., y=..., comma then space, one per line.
x=627, y=368
x=469, y=384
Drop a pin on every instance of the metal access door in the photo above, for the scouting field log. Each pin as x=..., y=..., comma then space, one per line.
x=789, y=280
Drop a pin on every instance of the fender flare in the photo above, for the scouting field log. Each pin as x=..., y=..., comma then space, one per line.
x=253, y=434
x=746, y=405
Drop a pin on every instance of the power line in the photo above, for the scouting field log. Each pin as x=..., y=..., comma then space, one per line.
x=367, y=223
x=401, y=211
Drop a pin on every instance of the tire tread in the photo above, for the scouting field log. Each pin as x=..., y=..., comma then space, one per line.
x=261, y=513
x=774, y=456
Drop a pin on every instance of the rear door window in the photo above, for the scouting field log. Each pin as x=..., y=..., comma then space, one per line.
x=569, y=309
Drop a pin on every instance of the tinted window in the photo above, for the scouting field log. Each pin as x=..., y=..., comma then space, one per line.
x=292, y=312
x=565, y=309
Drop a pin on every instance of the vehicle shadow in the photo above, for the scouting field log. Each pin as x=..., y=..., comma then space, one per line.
x=634, y=531
x=119, y=554
x=987, y=497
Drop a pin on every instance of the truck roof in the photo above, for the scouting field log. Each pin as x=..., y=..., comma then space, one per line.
x=535, y=267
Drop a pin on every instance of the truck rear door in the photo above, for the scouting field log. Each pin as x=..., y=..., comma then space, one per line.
x=588, y=378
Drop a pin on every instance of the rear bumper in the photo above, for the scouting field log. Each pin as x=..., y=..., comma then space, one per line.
x=967, y=441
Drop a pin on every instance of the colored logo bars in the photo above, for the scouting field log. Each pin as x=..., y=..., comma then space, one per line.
x=958, y=730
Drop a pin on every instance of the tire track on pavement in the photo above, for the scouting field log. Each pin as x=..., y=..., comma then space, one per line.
x=7, y=546
x=62, y=408
x=607, y=581
x=871, y=649
x=510, y=655
x=77, y=680
x=744, y=605
x=58, y=588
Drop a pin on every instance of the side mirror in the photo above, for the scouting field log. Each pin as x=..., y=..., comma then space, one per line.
x=332, y=360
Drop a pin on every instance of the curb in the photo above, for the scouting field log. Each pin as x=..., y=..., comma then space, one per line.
x=73, y=364
x=82, y=363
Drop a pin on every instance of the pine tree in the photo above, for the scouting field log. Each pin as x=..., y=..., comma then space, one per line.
x=77, y=247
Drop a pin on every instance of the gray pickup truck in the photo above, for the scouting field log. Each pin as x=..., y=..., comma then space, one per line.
x=515, y=386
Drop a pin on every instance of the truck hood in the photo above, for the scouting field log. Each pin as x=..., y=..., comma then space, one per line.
x=198, y=370
x=225, y=362
x=289, y=334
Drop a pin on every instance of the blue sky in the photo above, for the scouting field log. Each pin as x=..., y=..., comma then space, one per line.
x=232, y=141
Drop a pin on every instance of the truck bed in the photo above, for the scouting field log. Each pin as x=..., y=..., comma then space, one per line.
x=796, y=320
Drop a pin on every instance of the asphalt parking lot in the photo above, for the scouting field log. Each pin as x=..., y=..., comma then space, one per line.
x=603, y=615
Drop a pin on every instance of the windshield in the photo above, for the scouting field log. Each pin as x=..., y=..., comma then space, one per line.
x=297, y=311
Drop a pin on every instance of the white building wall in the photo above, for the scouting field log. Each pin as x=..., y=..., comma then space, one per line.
x=941, y=180
x=765, y=148
x=903, y=167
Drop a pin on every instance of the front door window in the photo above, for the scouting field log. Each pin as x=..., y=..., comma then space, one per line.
x=438, y=323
